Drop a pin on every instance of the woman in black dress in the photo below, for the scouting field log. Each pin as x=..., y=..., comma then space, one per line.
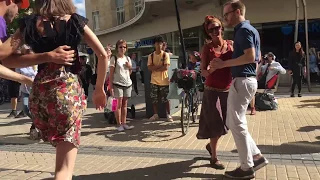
x=297, y=67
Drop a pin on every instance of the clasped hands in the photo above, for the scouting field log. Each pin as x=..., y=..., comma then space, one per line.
x=215, y=64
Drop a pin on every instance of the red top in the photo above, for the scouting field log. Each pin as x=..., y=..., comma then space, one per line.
x=220, y=78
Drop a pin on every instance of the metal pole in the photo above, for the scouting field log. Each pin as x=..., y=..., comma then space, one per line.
x=184, y=63
x=296, y=32
x=307, y=42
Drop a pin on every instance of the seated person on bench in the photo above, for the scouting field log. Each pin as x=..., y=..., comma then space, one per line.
x=267, y=75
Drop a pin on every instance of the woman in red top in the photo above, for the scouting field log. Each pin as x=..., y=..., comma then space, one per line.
x=214, y=104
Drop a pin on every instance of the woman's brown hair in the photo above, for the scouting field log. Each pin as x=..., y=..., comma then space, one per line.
x=119, y=42
x=301, y=51
x=209, y=20
x=51, y=8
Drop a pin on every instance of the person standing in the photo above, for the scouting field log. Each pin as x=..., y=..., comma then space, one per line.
x=212, y=123
x=243, y=88
x=25, y=89
x=297, y=67
x=313, y=65
x=133, y=75
x=120, y=84
x=158, y=64
x=85, y=75
x=14, y=92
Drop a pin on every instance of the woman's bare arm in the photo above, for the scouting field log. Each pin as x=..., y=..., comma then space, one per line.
x=93, y=41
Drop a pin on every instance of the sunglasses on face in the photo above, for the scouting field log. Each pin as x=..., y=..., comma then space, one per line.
x=213, y=29
x=123, y=47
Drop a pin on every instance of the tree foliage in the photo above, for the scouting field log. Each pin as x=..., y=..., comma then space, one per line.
x=12, y=27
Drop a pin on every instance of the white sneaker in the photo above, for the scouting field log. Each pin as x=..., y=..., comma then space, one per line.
x=154, y=117
x=126, y=127
x=169, y=118
x=120, y=128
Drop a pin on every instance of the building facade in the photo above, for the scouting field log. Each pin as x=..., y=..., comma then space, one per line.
x=138, y=21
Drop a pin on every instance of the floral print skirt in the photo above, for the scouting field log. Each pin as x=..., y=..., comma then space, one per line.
x=57, y=103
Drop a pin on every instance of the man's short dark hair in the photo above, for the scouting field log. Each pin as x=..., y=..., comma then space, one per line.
x=237, y=4
x=158, y=39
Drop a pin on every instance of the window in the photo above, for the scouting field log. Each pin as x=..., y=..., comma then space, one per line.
x=137, y=6
x=120, y=11
x=95, y=17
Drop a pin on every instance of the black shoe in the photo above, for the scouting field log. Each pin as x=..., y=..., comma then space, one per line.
x=240, y=174
x=260, y=163
x=13, y=114
x=292, y=95
x=299, y=95
x=21, y=115
x=208, y=147
x=214, y=164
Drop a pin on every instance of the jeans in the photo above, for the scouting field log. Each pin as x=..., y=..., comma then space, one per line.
x=241, y=93
x=25, y=104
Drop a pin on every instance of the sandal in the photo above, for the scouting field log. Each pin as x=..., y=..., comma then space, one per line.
x=216, y=164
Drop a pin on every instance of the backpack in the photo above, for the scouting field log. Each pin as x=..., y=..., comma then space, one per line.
x=163, y=57
x=265, y=102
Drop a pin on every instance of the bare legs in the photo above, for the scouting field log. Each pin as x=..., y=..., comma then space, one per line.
x=121, y=112
x=213, y=145
x=124, y=106
x=66, y=154
x=14, y=102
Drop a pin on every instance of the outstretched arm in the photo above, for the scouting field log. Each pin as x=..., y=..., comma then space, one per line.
x=61, y=55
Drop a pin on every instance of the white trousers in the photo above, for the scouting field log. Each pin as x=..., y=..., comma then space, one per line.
x=241, y=93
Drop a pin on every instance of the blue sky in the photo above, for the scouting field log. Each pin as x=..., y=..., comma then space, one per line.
x=80, y=4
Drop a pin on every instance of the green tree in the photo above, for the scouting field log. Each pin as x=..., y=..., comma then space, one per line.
x=12, y=27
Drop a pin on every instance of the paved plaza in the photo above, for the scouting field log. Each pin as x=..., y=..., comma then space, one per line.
x=288, y=137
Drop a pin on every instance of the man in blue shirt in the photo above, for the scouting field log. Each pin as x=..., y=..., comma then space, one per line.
x=244, y=86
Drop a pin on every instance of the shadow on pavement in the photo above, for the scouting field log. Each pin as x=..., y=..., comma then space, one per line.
x=17, y=139
x=16, y=121
x=301, y=147
x=144, y=130
x=168, y=171
x=298, y=147
x=308, y=128
x=310, y=103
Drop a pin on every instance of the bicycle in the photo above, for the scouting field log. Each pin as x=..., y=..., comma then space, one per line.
x=190, y=99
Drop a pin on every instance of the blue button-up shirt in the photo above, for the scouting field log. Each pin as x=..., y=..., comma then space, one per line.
x=245, y=37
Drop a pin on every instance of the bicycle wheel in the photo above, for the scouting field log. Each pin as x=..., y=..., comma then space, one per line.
x=185, y=113
x=195, y=108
